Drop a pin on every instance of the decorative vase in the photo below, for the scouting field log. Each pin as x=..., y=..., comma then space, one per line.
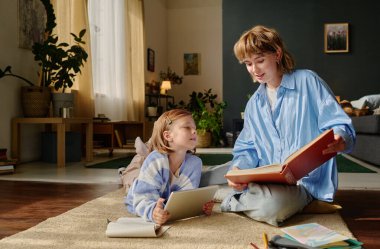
x=152, y=111
x=63, y=101
x=35, y=101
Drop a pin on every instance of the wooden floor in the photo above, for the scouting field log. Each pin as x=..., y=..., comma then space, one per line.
x=25, y=204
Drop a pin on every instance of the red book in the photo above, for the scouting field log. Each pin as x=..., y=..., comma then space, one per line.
x=296, y=166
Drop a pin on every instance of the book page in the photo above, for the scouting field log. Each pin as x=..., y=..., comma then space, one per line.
x=272, y=168
x=134, y=227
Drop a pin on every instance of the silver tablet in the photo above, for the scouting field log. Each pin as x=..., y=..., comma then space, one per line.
x=189, y=203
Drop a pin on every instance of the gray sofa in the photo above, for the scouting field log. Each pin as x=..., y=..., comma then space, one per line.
x=367, y=146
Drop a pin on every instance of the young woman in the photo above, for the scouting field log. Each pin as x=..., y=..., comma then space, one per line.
x=169, y=167
x=289, y=109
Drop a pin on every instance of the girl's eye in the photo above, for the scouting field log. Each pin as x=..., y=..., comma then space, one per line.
x=260, y=61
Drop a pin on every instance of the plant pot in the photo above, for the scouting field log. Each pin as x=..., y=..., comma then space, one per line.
x=203, y=139
x=152, y=111
x=35, y=101
x=61, y=102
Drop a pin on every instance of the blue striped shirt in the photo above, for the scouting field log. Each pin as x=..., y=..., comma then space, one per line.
x=305, y=108
x=154, y=182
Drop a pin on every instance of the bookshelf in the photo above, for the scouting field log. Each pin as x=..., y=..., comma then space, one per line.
x=120, y=134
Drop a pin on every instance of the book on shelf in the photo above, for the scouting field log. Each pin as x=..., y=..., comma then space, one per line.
x=100, y=119
x=118, y=139
x=3, y=154
x=4, y=162
x=7, y=169
x=318, y=236
x=134, y=227
x=296, y=166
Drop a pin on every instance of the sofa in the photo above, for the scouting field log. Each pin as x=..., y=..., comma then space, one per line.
x=367, y=147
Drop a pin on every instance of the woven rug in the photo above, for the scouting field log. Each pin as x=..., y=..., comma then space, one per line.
x=345, y=165
x=84, y=227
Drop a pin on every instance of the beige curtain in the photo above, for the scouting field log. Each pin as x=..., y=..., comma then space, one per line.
x=72, y=17
x=135, y=60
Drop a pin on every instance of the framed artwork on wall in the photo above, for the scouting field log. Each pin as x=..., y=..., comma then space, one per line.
x=191, y=64
x=336, y=38
x=150, y=60
x=31, y=23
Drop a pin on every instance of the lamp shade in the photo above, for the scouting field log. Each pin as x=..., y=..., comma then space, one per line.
x=165, y=85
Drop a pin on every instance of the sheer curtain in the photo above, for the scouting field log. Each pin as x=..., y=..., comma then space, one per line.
x=108, y=46
x=71, y=17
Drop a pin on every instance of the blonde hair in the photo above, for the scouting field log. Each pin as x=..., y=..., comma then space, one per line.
x=261, y=39
x=163, y=123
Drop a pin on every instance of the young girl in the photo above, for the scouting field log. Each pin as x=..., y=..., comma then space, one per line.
x=169, y=167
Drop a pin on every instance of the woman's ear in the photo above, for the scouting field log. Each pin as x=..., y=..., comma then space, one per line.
x=278, y=54
x=167, y=136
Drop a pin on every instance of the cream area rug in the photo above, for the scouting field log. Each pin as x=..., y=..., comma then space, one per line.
x=85, y=226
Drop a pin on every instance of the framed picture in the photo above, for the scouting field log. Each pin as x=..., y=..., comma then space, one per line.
x=336, y=38
x=191, y=64
x=150, y=60
x=31, y=23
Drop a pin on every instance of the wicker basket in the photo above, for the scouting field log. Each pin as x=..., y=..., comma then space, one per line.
x=35, y=101
x=203, y=139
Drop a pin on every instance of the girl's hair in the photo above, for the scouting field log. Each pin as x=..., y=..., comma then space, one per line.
x=163, y=123
x=261, y=39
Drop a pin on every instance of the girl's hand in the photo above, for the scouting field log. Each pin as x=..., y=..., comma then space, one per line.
x=160, y=216
x=237, y=186
x=207, y=207
x=338, y=145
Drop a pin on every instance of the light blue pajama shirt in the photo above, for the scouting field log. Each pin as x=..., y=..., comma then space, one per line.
x=154, y=182
x=305, y=108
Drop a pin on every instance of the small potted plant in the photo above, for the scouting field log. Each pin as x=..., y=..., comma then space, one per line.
x=171, y=76
x=208, y=116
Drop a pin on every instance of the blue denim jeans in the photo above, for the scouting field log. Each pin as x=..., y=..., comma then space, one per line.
x=270, y=203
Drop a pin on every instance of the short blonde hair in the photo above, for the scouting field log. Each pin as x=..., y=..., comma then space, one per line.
x=163, y=123
x=261, y=39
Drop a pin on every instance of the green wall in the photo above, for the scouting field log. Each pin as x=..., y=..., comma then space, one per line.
x=301, y=25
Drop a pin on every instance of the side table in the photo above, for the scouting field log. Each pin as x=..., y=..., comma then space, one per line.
x=61, y=128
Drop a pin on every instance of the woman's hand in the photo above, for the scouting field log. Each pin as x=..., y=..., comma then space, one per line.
x=160, y=216
x=237, y=186
x=207, y=207
x=337, y=146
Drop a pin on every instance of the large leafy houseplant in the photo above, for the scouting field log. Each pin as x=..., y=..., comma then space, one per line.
x=59, y=64
x=207, y=113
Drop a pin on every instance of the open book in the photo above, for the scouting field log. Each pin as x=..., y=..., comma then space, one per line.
x=315, y=235
x=296, y=166
x=134, y=227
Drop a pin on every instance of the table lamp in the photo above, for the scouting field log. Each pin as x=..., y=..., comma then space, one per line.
x=165, y=85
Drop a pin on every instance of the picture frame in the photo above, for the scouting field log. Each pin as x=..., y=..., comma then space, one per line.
x=191, y=63
x=31, y=23
x=150, y=59
x=336, y=37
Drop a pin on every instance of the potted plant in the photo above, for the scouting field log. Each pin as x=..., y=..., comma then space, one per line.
x=171, y=76
x=59, y=63
x=152, y=109
x=208, y=116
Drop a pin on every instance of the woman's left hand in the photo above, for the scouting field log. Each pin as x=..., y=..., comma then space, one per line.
x=337, y=146
x=207, y=207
